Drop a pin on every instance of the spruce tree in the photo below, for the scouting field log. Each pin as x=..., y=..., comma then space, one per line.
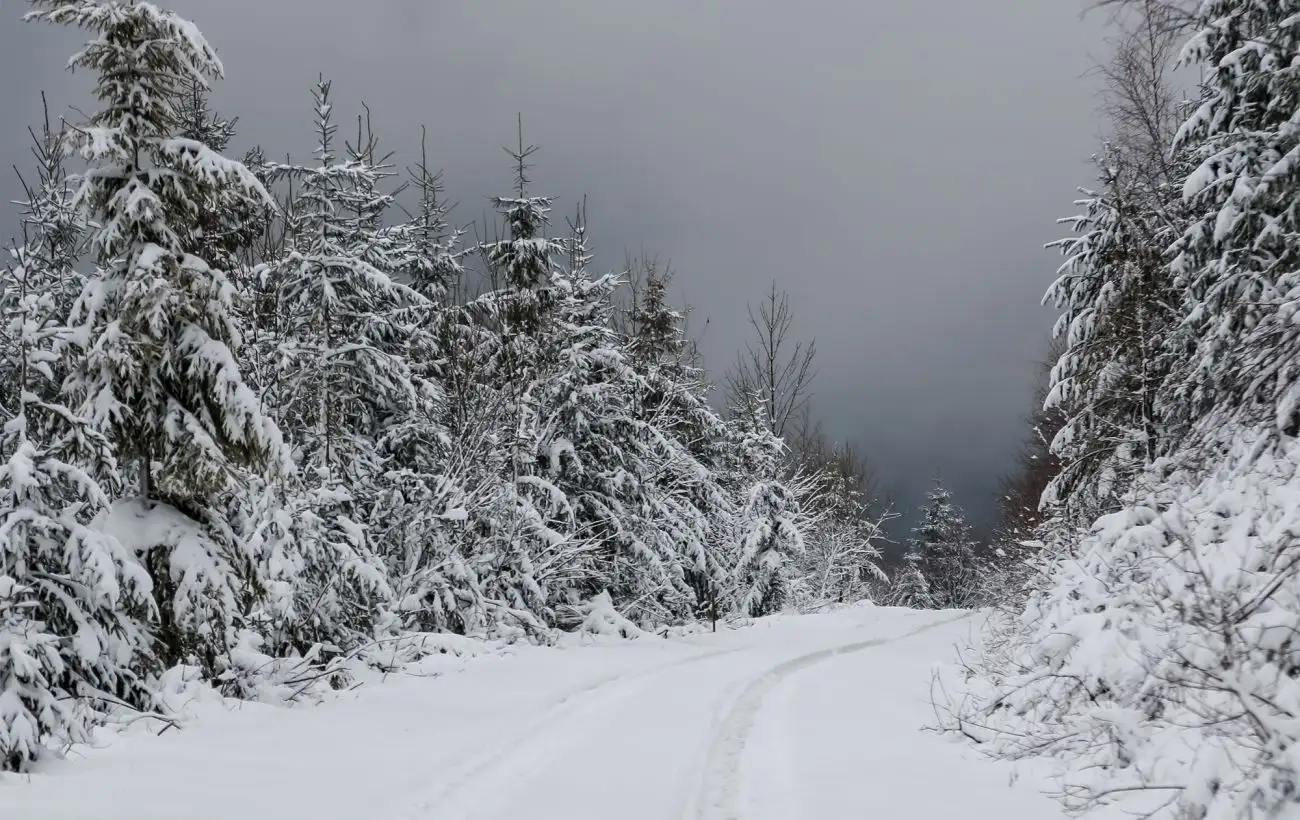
x=74, y=602
x=840, y=561
x=946, y=551
x=638, y=483
x=432, y=259
x=531, y=528
x=229, y=222
x=339, y=380
x=1118, y=326
x=1236, y=262
x=54, y=229
x=671, y=405
x=159, y=374
x=766, y=531
x=342, y=386
x=911, y=589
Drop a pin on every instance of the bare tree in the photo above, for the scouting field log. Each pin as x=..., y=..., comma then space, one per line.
x=1173, y=16
x=815, y=452
x=1139, y=100
x=772, y=368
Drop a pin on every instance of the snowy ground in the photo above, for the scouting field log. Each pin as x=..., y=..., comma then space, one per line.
x=812, y=717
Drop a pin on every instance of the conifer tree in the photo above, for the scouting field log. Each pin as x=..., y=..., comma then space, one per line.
x=217, y=238
x=339, y=381
x=532, y=542
x=671, y=403
x=646, y=493
x=158, y=374
x=911, y=589
x=73, y=601
x=432, y=258
x=1236, y=260
x=946, y=551
x=1119, y=317
x=358, y=417
x=54, y=230
x=590, y=435
x=840, y=559
x=767, y=530
x=1171, y=613
x=771, y=539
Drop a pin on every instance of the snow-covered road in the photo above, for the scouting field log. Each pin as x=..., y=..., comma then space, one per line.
x=798, y=717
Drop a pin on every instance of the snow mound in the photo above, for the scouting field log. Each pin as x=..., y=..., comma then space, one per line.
x=600, y=618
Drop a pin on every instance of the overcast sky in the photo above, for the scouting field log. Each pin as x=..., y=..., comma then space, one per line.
x=895, y=165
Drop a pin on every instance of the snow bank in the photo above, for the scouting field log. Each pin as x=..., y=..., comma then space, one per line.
x=1160, y=665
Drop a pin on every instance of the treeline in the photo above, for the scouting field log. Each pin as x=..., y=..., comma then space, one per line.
x=260, y=422
x=1152, y=651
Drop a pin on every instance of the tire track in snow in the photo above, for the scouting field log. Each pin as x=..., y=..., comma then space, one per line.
x=718, y=795
x=493, y=776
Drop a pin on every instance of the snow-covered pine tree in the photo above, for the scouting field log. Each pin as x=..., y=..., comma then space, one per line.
x=433, y=257
x=233, y=231
x=911, y=589
x=33, y=708
x=230, y=226
x=54, y=234
x=632, y=474
x=417, y=514
x=946, y=551
x=158, y=374
x=767, y=531
x=476, y=460
x=339, y=384
x=771, y=539
x=363, y=204
x=1237, y=261
x=1119, y=313
x=672, y=404
x=1161, y=628
x=522, y=261
x=840, y=561
x=73, y=601
x=412, y=500
x=530, y=540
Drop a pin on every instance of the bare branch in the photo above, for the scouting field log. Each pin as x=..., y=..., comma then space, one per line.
x=772, y=369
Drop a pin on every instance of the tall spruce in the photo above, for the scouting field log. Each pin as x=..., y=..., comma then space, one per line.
x=671, y=403
x=534, y=553
x=1237, y=260
x=1119, y=311
x=159, y=374
x=342, y=386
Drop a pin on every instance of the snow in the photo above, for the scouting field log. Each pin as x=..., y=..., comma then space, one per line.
x=815, y=716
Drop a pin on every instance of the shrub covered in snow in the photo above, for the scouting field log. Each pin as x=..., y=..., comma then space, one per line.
x=1161, y=658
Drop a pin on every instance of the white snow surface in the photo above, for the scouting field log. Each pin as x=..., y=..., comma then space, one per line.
x=817, y=717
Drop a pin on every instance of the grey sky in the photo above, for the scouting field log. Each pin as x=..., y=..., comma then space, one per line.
x=895, y=165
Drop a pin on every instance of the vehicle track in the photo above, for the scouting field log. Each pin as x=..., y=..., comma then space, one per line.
x=718, y=792
x=493, y=775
